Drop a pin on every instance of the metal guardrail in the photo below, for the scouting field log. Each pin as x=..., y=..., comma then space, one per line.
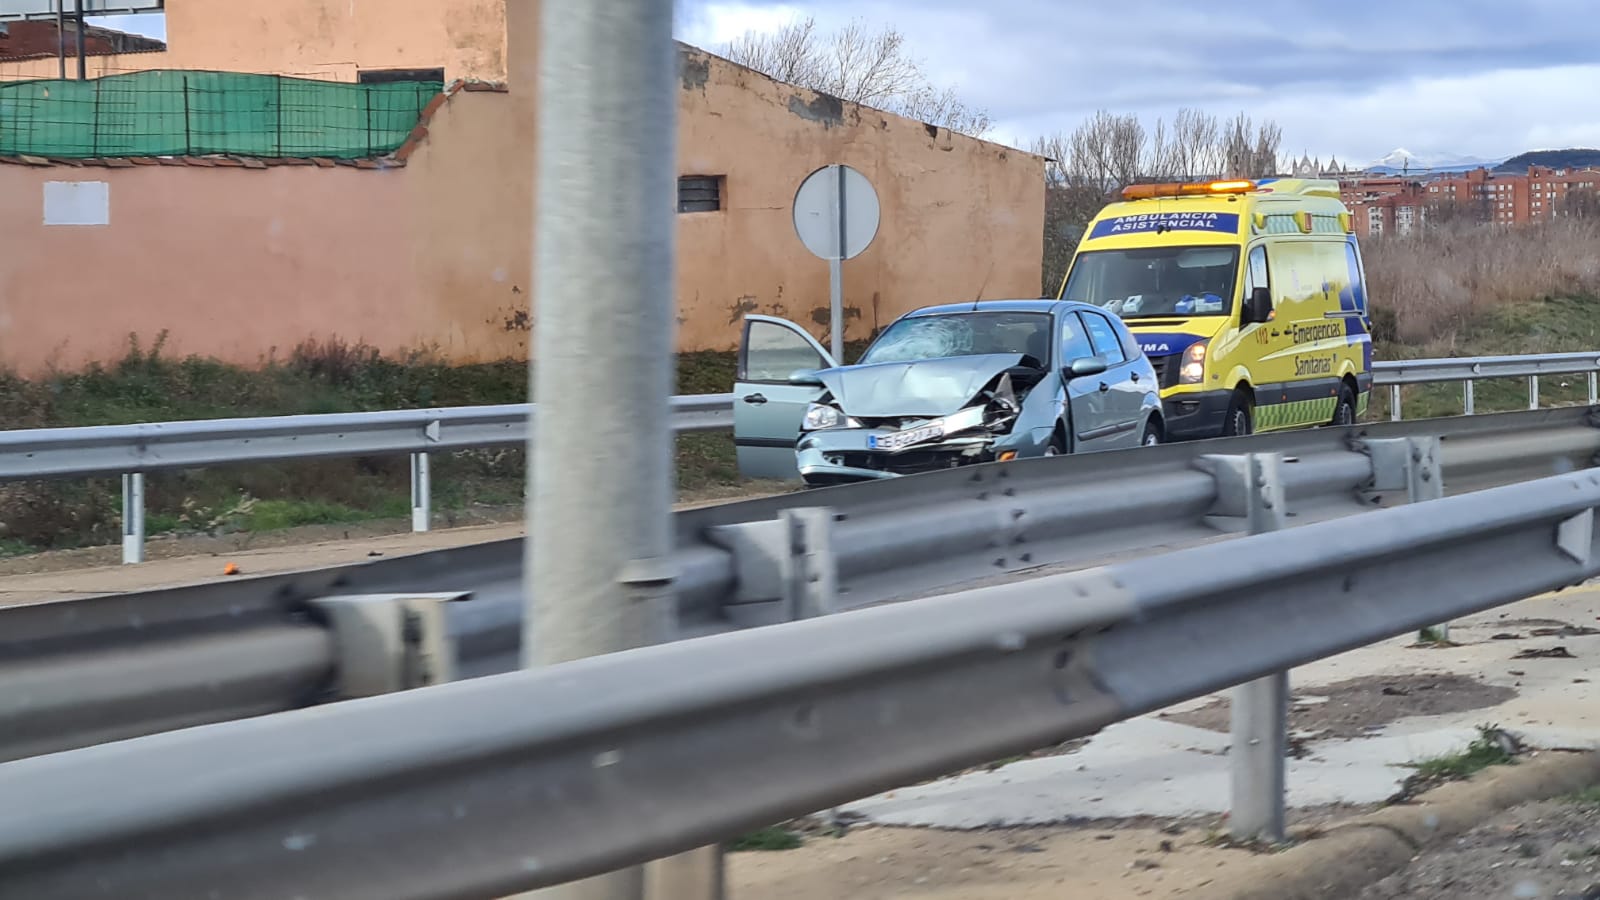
x=1469, y=370
x=123, y=666
x=496, y=785
x=132, y=450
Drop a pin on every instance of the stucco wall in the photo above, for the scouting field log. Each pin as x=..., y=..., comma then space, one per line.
x=240, y=263
x=961, y=218
x=328, y=39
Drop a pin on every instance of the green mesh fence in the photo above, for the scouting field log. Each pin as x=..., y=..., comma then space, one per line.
x=189, y=113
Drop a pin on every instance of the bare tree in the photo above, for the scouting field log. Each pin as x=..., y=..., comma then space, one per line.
x=1108, y=152
x=873, y=68
x=1581, y=203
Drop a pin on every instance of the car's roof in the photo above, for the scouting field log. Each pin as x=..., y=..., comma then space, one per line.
x=1033, y=305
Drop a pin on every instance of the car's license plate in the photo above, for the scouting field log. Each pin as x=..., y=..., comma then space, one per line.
x=906, y=438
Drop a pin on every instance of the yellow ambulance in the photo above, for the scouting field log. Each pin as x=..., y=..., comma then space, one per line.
x=1248, y=297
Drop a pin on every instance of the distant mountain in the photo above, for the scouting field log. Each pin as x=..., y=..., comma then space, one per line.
x=1576, y=158
x=1403, y=160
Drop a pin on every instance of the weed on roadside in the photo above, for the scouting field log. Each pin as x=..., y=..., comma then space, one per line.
x=1493, y=746
x=771, y=838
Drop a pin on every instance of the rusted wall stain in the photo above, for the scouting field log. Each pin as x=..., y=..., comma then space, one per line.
x=821, y=108
x=694, y=71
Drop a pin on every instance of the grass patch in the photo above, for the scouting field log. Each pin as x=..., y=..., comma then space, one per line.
x=1482, y=753
x=767, y=839
x=1558, y=325
x=1589, y=796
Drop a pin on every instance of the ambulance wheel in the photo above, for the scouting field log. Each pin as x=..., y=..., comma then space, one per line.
x=1345, y=412
x=1240, y=420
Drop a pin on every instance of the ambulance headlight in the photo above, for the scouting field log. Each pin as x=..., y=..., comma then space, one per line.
x=1193, y=368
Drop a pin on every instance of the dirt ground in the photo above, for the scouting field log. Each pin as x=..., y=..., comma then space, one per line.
x=1117, y=860
x=70, y=574
x=1021, y=864
x=1359, y=706
x=1548, y=851
x=163, y=547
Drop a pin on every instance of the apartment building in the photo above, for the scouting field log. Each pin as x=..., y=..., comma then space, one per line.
x=1396, y=205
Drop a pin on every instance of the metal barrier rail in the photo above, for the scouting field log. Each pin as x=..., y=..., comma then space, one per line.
x=491, y=786
x=117, y=667
x=1467, y=370
x=132, y=450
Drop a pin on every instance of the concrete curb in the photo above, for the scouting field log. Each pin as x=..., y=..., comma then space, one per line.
x=1355, y=854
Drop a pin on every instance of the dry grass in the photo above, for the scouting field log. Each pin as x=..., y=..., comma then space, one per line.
x=1429, y=287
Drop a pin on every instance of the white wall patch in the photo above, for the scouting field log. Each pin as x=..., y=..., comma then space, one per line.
x=77, y=203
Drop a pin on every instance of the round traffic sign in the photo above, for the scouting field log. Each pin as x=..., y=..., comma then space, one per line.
x=836, y=212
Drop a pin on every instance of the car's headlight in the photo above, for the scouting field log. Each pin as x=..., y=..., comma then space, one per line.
x=821, y=415
x=1193, y=369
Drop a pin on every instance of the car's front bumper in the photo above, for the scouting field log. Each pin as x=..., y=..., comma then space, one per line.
x=843, y=455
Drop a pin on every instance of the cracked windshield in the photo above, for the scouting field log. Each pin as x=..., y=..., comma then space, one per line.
x=799, y=450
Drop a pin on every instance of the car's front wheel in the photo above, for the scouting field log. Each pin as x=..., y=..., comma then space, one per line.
x=1057, y=445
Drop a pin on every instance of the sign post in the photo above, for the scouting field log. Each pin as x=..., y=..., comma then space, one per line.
x=836, y=216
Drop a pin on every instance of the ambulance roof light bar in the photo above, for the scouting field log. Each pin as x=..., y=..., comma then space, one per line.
x=1180, y=189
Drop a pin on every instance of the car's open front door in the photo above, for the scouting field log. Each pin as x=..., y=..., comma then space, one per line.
x=767, y=409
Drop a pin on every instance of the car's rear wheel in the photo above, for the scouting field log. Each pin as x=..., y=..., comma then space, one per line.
x=1152, y=434
x=1240, y=420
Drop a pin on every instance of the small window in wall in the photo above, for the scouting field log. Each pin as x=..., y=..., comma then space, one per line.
x=389, y=76
x=699, y=193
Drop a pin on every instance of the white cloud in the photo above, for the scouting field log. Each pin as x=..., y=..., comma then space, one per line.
x=713, y=25
x=1458, y=77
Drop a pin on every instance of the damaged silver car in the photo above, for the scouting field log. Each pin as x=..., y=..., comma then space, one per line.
x=942, y=386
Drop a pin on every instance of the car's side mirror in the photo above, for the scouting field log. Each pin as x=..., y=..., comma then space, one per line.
x=1258, y=306
x=806, y=378
x=1083, y=367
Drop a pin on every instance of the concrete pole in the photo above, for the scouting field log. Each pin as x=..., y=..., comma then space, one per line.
x=599, y=507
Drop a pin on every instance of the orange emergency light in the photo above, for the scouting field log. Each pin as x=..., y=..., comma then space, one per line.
x=1181, y=189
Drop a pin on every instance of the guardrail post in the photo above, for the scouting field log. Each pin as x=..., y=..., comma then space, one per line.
x=1466, y=396
x=1533, y=392
x=1425, y=481
x=808, y=570
x=1259, y=725
x=132, y=518
x=1394, y=402
x=421, y=492
x=390, y=642
x=1594, y=388
x=785, y=567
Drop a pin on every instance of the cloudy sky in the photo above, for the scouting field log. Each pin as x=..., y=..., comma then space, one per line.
x=1359, y=79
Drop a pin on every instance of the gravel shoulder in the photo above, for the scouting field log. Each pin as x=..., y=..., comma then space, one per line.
x=1540, y=851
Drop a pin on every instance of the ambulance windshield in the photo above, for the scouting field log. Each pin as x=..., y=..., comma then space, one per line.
x=1156, y=281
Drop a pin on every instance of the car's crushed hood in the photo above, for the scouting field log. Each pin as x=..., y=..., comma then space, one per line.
x=930, y=387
